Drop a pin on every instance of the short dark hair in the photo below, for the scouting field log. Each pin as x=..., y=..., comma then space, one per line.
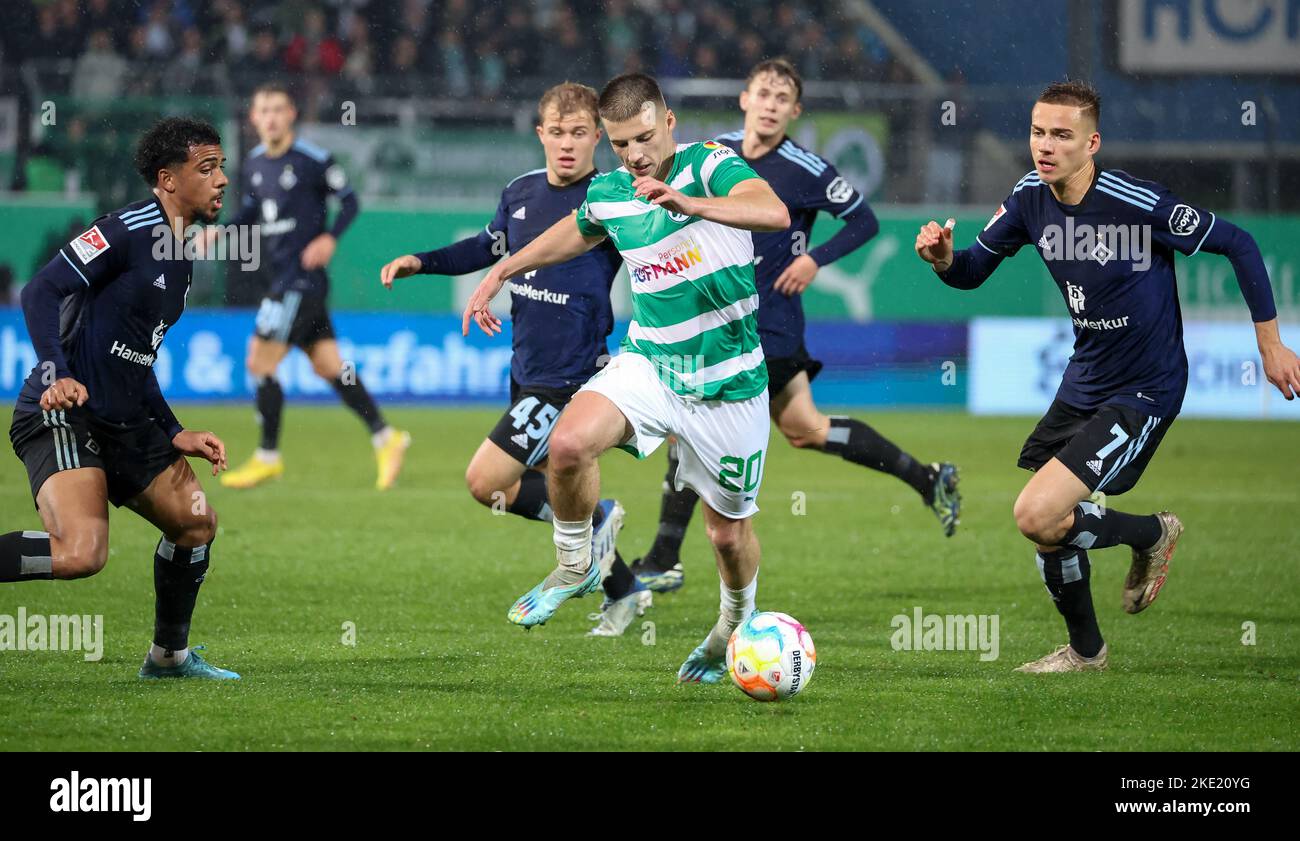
x=623, y=97
x=168, y=142
x=569, y=98
x=782, y=69
x=275, y=87
x=1074, y=93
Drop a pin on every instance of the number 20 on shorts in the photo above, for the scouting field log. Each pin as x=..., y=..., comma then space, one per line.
x=735, y=467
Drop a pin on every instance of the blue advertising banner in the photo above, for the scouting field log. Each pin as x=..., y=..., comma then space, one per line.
x=418, y=358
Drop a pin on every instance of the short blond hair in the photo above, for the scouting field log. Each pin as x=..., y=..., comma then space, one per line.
x=569, y=98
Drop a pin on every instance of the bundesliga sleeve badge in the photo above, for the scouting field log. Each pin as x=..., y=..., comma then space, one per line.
x=1002, y=208
x=89, y=245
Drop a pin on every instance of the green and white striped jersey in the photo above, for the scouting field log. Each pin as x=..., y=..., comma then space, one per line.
x=694, y=300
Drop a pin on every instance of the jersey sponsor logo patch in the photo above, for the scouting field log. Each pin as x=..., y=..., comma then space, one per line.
x=1095, y=466
x=997, y=214
x=1183, y=220
x=336, y=178
x=90, y=245
x=1074, y=294
x=521, y=213
x=838, y=191
x=161, y=281
x=520, y=440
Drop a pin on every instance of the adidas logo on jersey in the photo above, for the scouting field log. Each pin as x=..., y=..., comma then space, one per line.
x=1095, y=466
x=519, y=214
x=161, y=282
x=521, y=439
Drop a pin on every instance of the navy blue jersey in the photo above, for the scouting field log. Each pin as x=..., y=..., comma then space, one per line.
x=286, y=196
x=808, y=185
x=561, y=315
x=99, y=310
x=1112, y=257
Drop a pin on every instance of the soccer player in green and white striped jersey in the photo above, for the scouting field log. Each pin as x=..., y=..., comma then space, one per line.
x=692, y=364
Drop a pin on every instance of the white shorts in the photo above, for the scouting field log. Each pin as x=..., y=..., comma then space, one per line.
x=723, y=444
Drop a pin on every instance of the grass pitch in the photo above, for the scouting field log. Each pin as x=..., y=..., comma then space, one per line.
x=426, y=576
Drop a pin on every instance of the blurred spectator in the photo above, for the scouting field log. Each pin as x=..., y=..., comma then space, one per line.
x=404, y=74
x=455, y=67
x=360, y=64
x=234, y=41
x=158, y=39
x=185, y=72
x=314, y=50
x=100, y=71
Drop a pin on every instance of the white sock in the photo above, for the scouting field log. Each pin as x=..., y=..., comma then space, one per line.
x=267, y=456
x=572, y=549
x=161, y=657
x=380, y=438
x=734, y=607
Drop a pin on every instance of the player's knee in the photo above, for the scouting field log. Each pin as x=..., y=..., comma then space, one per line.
x=326, y=370
x=200, y=529
x=479, y=488
x=84, y=554
x=805, y=438
x=258, y=368
x=568, y=450
x=1034, y=519
x=803, y=432
x=728, y=538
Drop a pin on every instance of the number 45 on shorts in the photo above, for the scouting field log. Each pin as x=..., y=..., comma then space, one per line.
x=740, y=475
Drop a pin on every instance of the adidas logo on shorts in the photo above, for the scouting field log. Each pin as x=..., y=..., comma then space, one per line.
x=522, y=440
x=1095, y=464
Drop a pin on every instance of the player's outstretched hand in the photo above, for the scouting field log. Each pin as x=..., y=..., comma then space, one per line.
x=796, y=276
x=1282, y=368
x=934, y=244
x=64, y=394
x=404, y=266
x=477, y=308
x=319, y=252
x=657, y=192
x=202, y=445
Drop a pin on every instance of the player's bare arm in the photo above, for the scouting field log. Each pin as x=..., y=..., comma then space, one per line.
x=751, y=205
x=560, y=242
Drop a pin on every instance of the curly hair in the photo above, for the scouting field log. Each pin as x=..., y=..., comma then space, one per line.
x=168, y=142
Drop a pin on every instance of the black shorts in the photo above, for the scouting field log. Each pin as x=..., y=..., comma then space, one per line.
x=294, y=318
x=1107, y=448
x=781, y=371
x=131, y=455
x=524, y=431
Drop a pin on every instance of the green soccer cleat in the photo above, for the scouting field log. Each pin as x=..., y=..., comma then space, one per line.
x=701, y=667
x=191, y=666
x=540, y=603
x=947, y=500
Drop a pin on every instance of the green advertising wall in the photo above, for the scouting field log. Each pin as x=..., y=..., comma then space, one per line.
x=883, y=280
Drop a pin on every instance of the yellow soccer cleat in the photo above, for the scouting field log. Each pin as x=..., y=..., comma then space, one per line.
x=252, y=473
x=390, y=456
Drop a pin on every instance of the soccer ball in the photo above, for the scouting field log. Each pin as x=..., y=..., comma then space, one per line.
x=771, y=656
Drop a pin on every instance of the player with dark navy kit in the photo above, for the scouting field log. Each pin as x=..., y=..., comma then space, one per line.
x=287, y=184
x=91, y=424
x=560, y=320
x=1108, y=239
